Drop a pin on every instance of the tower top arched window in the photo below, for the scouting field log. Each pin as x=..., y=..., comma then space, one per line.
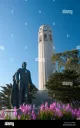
x=50, y=37
x=45, y=37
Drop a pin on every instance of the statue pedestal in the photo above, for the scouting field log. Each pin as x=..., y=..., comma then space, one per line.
x=41, y=97
x=9, y=112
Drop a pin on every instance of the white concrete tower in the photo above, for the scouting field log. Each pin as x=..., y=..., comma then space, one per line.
x=45, y=52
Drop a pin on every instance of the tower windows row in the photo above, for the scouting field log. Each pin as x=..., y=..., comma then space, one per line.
x=45, y=37
x=45, y=28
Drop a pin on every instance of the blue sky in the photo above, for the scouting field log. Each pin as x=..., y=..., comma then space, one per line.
x=19, y=24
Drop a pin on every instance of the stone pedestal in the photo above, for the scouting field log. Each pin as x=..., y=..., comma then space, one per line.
x=9, y=112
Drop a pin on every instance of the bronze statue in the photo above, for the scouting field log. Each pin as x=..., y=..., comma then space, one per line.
x=23, y=82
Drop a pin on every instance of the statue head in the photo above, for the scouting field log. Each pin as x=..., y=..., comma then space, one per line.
x=24, y=64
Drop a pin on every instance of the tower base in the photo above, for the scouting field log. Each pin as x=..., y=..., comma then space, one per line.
x=42, y=97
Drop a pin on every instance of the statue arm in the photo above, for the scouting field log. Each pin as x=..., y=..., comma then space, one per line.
x=17, y=75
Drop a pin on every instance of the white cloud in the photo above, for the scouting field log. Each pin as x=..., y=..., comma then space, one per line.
x=2, y=48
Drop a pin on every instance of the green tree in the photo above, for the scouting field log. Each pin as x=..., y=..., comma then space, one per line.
x=62, y=92
x=68, y=60
x=31, y=93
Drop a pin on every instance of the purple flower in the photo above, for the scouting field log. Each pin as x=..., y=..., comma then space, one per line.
x=20, y=107
x=60, y=114
x=23, y=104
x=42, y=107
x=53, y=106
x=46, y=104
x=73, y=112
x=34, y=106
x=33, y=112
x=25, y=109
x=29, y=107
x=2, y=115
x=33, y=115
x=63, y=106
x=15, y=111
x=59, y=106
x=78, y=113
x=19, y=117
x=68, y=107
x=57, y=110
x=28, y=113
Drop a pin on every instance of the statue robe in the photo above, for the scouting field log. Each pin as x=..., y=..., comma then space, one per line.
x=15, y=93
x=24, y=81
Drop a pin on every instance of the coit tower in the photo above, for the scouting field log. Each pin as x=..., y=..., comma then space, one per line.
x=45, y=52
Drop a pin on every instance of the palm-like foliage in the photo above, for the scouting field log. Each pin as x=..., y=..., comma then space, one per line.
x=5, y=96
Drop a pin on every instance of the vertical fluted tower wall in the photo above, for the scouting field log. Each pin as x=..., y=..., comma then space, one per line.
x=45, y=52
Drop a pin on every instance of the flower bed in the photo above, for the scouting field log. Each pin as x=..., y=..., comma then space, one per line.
x=54, y=111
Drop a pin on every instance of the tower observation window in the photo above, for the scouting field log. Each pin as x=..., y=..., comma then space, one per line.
x=50, y=37
x=45, y=37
